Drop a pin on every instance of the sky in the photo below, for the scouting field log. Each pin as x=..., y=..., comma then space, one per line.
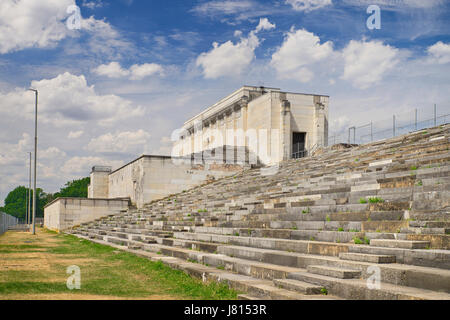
x=116, y=78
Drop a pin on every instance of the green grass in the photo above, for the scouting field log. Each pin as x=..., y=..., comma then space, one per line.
x=413, y=168
x=362, y=200
x=340, y=229
x=110, y=272
x=376, y=200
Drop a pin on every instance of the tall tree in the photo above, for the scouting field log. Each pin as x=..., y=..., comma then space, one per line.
x=16, y=202
x=74, y=189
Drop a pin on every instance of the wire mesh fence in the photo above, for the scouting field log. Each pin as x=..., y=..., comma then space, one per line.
x=7, y=221
x=397, y=125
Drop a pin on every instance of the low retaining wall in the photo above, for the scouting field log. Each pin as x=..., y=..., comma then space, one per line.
x=64, y=213
x=7, y=221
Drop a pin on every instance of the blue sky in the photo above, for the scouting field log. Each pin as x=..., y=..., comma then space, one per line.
x=135, y=70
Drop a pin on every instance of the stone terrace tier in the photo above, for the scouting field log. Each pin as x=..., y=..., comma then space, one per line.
x=320, y=227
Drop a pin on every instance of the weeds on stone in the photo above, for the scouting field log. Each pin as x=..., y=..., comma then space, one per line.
x=413, y=168
x=306, y=211
x=340, y=229
x=220, y=267
x=328, y=218
x=324, y=291
x=362, y=200
x=376, y=200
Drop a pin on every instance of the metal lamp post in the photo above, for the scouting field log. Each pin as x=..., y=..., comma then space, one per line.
x=29, y=194
x=33, y=230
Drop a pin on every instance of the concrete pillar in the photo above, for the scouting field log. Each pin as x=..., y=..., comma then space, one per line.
x=320, y=135
x=99, y=184
x=286, y=134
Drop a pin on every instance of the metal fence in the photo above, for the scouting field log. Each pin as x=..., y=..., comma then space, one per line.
x=7, y=221
x=398, y=124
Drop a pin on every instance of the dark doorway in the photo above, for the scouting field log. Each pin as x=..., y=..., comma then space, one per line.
x=298, y=145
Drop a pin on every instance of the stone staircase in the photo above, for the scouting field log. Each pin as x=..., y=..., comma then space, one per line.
x=315, y=228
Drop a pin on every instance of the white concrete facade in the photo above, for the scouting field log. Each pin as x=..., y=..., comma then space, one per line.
x=64, y=213
x=260, y=125
x=262, y=120
x=150, y=178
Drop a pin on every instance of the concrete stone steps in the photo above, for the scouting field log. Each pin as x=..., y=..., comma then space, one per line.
x=404, y=244
x=357, y=289
x=253, y=220
x=299, y=286
x=334, y=272
x=264, y=290
x=255, y=289
x=372, y=258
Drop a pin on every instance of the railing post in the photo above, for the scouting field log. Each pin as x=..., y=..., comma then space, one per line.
x=393, y=125
x=435, y=114
x=371, y=132
x=415, y=120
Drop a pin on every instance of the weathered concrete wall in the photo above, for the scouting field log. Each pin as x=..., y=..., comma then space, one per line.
x=273, y=114
x=150, y=178
x=64, y=213
x=99, y=182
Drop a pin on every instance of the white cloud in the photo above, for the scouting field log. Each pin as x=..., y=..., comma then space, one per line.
x=439, y=52
x=223, y=7
x=298, y=53
x=140, y=71
x=398, y=4
x=308, y=5
x=68, y=100
x=122, y=142
x=264, y=24
x=80, y=166
x=75, y=134
x=51, y=153
x=367, y=62
x=92, y=4
x=104, y=40
x=230, y=59
x=41, y=24
x=29, y=23
x=136, y=71
x=111, y=70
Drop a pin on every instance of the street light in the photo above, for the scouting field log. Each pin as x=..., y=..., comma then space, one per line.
x=35, y=157
x=29, y=194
